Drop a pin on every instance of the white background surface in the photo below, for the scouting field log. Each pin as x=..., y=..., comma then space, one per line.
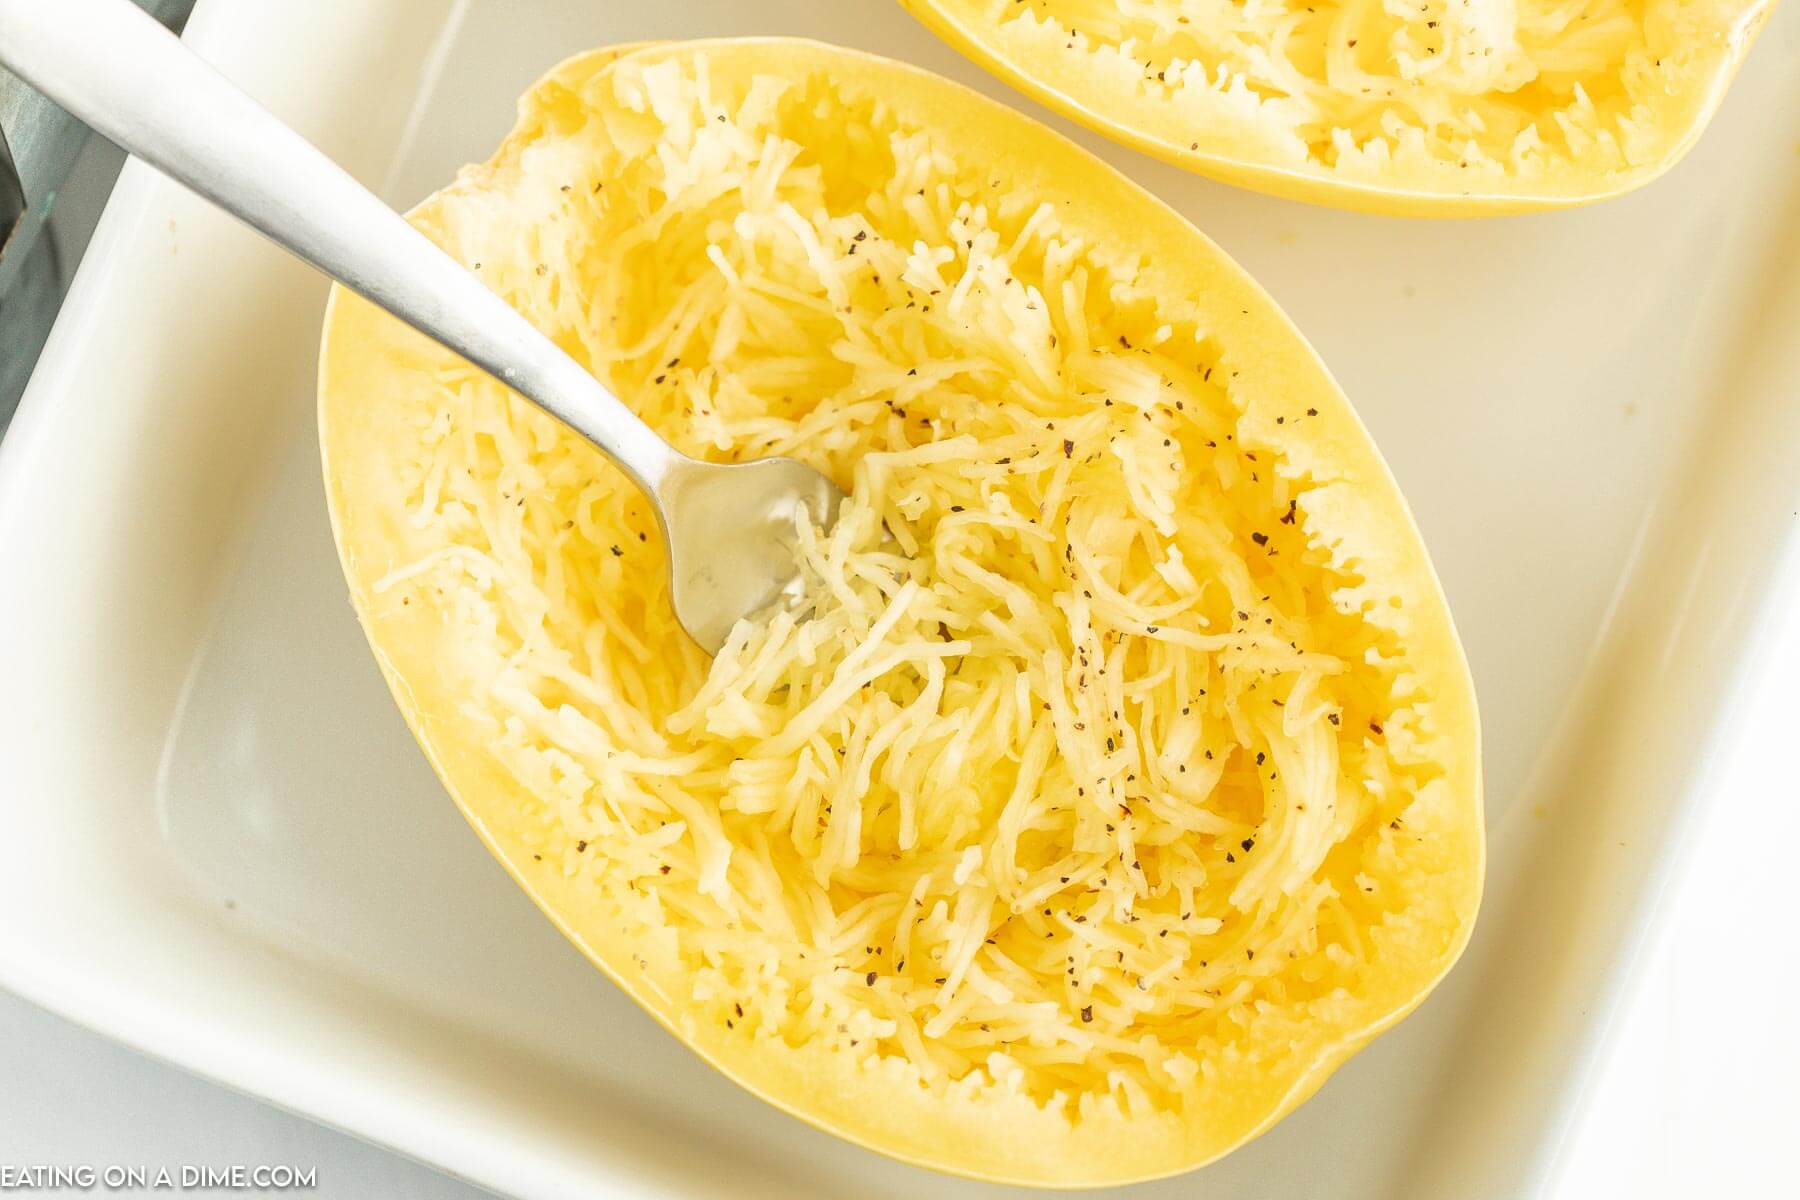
x=1693, y=1100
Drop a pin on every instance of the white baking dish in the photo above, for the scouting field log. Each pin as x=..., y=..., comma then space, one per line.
x=1594, y=414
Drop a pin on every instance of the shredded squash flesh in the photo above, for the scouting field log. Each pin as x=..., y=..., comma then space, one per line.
x=1454, y=96
x=1086, y=763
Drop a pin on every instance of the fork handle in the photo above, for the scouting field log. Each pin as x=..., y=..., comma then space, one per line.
x=111, y=65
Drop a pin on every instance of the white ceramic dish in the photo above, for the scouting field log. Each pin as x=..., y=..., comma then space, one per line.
x=1594, y=414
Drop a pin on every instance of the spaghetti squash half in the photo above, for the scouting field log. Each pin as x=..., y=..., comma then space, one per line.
x=1116, y=777
x=1417, y=107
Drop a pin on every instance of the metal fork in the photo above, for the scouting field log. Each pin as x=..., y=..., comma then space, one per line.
x=728, y=527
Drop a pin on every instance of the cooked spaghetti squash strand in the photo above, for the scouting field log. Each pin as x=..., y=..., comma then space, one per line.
x=1473, y=91
x=1072, y=752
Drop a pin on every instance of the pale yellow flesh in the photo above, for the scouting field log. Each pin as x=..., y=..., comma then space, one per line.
x=1443, y=108
x=380, y=392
